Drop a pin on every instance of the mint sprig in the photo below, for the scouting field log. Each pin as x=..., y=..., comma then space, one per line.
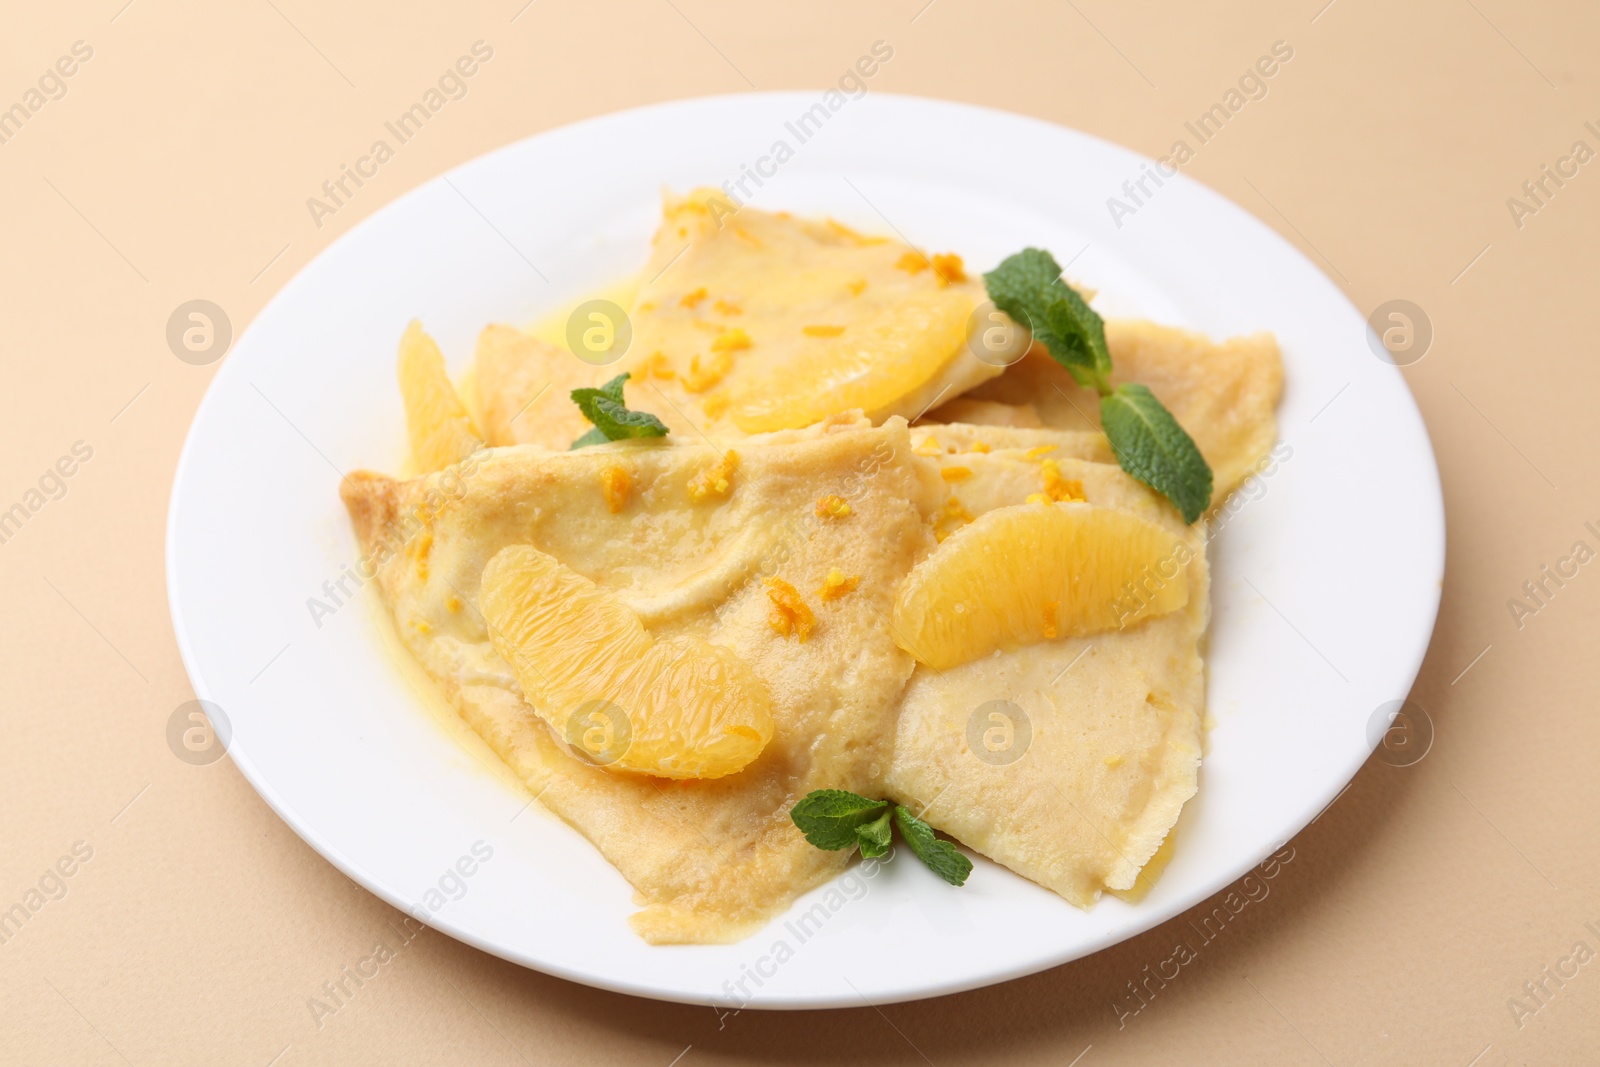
x=612, y=420
x=837, y=818
x=1148, y=442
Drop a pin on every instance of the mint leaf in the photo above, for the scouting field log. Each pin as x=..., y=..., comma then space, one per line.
x=1151, y=446
x=1028, y=287
x=612, y=420
x=830, y=817
x=874, y=837
x=940, y=855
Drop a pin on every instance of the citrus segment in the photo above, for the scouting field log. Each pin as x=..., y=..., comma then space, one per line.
x=677, y=708
x=437, y=422
x=1032, y=572
x=868, y=366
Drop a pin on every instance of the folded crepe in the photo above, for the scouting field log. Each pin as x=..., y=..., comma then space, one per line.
x=748, y=321
x=1068, y=760
x=710, y=860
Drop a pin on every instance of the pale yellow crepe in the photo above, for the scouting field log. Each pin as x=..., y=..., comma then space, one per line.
x=524, y=389
x=1224, y=394
x=1083, y=803
x=965, y=409
x=710, y=859
x=933, y=439
x=748, y=321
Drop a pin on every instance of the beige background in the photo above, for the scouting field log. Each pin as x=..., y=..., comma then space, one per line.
x=177, y=167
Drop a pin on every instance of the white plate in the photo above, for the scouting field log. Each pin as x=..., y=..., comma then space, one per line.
x=1326, y=585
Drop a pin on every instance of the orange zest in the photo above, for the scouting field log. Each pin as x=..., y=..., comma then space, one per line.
x=838, y=584
x=616, y=484
x=715, y=480
x=789, y=615
x=832, y=506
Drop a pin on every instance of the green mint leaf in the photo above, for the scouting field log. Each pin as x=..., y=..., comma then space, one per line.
x=605, y=408
x=1028, y=287
x=1153, y=448
x=829, y=817
x=874, y=837
x=940, y=855
x=594, y=436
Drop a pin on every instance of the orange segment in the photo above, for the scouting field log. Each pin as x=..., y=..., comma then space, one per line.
x=679, y=708
x=869, y=366
x=437, y=422
x=1032, y=572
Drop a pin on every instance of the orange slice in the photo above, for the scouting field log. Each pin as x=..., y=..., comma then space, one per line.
x=1033, y=572
x=437, y=422
x=868, y=366
x=678, y=708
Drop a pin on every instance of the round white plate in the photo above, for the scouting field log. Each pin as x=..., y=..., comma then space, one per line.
x=1326, y=578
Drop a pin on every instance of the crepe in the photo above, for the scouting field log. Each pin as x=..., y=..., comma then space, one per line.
x=524, y=389
x=748, y=321
x=710, y=860
x=1077, y=790
x=1224, y=394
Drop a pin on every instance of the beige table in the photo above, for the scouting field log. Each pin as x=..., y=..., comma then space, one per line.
x=175, y=163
